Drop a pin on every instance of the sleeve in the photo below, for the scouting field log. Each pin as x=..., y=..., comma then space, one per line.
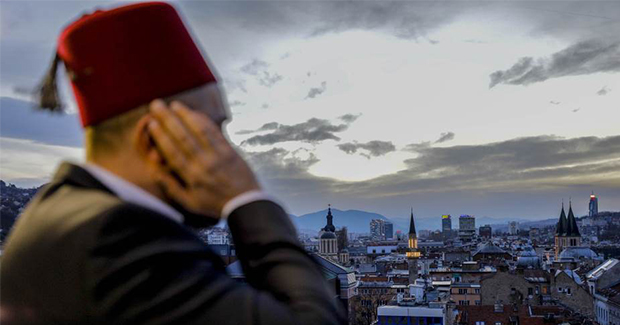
x=147, y=269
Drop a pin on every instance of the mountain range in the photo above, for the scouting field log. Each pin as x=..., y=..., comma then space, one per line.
x=358, y=221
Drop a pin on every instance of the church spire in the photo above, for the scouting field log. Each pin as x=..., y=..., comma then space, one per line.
x=330, y=225
x=560, y=228
x=572, y=230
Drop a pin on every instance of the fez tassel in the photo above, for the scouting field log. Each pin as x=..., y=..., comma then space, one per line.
x=47, y=92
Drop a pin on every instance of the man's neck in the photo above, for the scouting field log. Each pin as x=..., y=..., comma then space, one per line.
x=130, y=172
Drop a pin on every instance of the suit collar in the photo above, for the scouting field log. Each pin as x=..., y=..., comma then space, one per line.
x=68, y=173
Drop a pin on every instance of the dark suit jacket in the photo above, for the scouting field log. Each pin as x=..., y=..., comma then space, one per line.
x=78, y=254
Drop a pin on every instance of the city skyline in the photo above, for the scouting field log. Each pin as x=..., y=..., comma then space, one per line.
x=454, y=108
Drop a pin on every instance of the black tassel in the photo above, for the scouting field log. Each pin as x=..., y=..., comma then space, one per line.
x=47, y=92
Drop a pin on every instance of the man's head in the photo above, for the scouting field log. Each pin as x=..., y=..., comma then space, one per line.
x=118, y=61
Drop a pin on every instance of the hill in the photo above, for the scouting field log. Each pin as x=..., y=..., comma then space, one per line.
x=355, y=220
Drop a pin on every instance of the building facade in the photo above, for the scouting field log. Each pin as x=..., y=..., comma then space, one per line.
x=467, y=227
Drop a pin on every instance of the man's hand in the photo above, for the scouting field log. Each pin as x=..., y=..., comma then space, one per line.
x=196, y=150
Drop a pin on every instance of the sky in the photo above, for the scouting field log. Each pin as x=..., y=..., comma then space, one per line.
x=494, y=109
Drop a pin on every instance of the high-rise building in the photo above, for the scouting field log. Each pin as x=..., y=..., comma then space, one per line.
x=566, y=231
x=377, y=229
x=446, y=226
x=381, y=229
x=467, y=226
x=485, y=231
x=412, y=251
x=388, y=230
x=513, y=227
x=593, y=207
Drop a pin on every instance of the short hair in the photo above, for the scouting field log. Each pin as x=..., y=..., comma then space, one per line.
x=111, y=135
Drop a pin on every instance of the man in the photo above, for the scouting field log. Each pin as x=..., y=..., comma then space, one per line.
x=105, y=243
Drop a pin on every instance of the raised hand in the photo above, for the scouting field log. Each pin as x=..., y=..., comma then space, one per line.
x=211, y=172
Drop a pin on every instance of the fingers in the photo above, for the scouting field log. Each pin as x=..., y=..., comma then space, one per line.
x=173, y=156
x=173, y=188
x=171, y=122
x=207, y=132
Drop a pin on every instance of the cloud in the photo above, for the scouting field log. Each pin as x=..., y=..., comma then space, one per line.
x=349, y=118
x=416, y=147
x=407, y=20
x=446, y=136
x=552, y=102
x=265, y=127
x=236, y=103
x=514, y=157
x=258, y=69
x=476, y=178
x=254, y=67
x=313, y=92
x=576, y=110
x=20, y=120
x=604, y=91
x=313, y=130
x=585, y=57
x=375, y=148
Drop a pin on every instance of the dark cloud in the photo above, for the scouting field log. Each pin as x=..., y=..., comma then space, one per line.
x=415, y=147
x=265, y=127
x=582, y=58
x=576, y=110
x=604, y=91
x=20, y=120
x=514, y=157
x=258, y=69
x=552, y=102
x=446, y=136
x=375, y=148
x=313, y=130
x=313, y=92
x=349, y=118
x=484, y=179
x=408, y=20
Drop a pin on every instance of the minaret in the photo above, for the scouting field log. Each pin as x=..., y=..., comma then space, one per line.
x=412, y=252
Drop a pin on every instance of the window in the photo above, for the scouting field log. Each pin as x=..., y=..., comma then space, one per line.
x=477, y=290
x=559, y=289
x=478, y=303
x=479, y=323
x=530, y=291
x=462, y=291
x=568, y=291
x=498, y=323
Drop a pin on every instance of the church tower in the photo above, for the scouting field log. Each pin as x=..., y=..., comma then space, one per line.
x=412, y=252
x=328, y=242
x=566, y=231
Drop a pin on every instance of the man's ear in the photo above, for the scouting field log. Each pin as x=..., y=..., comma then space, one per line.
x=142, y=141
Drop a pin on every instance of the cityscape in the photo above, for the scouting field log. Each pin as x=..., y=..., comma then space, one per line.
x=440, y=162
x=461, y=274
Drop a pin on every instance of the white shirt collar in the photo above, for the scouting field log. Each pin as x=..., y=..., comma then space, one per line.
x=131, y=193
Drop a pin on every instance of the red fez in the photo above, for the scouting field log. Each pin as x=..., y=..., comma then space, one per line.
x=122, y=58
